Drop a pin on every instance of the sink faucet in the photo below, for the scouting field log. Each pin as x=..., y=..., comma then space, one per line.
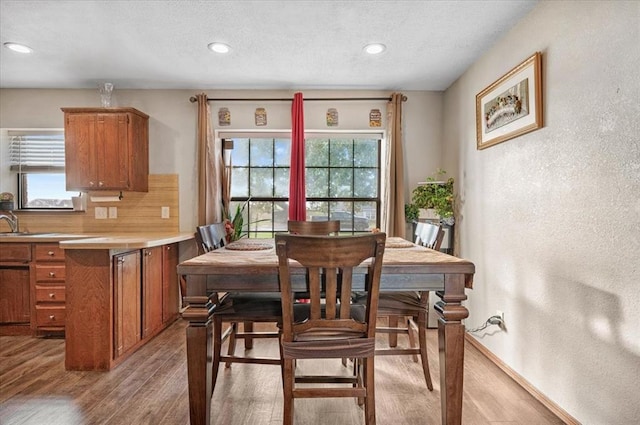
x=12, y=219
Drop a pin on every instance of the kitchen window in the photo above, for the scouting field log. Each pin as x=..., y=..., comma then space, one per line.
x=342, y=176
x=36, y=158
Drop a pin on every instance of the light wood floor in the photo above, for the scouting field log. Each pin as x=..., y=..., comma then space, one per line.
x=151, y=388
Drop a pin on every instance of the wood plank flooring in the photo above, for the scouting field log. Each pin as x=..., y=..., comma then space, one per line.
x=151, y=388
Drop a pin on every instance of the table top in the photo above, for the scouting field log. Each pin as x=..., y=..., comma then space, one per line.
x=400, y=257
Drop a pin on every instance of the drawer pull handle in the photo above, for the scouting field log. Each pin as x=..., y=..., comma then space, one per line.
x=50, y=253
x=52, y=274
x=52, y=295
x=52, y=317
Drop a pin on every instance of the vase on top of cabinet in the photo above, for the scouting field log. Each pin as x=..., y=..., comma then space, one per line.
x=106, y=149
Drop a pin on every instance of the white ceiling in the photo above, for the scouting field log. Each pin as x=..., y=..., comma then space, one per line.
x=276, y=44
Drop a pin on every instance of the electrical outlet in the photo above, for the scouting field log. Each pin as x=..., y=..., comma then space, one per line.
x=101, y=213
x=164, y=212
x=113, y=212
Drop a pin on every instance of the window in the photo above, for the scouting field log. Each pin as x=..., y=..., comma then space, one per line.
x=37, y=159
x=342, y=181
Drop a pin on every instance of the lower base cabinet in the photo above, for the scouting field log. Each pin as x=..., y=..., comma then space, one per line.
x=116, y=302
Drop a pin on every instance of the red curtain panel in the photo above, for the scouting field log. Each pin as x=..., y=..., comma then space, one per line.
x=297, y=195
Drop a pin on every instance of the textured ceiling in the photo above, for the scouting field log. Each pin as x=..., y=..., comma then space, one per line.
x=275, y=44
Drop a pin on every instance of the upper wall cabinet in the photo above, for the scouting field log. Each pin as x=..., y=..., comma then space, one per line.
x=106, y=149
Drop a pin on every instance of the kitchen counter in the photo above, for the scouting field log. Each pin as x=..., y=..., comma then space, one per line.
x=126, y=241
x=39, y=237
x=114, y=241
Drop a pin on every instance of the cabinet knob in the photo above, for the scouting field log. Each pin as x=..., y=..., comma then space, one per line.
x=91, y=183
x=100, y=184
x=50, y=253
x=52, y=295
x=121, y=260
x=52, y=274
x=52, y=317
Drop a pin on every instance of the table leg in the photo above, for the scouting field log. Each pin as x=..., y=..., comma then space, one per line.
x=199, y=353
x=451, y=347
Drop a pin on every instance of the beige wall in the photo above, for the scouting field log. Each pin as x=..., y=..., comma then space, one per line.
x=552, y=218
x=172, y=126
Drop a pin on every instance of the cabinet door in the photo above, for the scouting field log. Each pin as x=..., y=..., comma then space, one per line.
x=169, y=282
x=152, y=287
x=112, y=145
x=14, y=295
x=127, y=315
x=80, y=151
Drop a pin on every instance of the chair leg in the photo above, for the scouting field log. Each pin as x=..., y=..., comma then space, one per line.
x=289, y=382
x=422, y=338
x=393, y=337
x=247, y=327
x=370, y=400
x=412, y=338
x=217, y=347
x=232, y=342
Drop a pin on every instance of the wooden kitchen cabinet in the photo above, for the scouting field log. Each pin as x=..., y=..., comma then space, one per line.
x=49, y=289
x=152, y=290
x=127, y=302
x=15, y=294
x=170, y=295
x=106, y=149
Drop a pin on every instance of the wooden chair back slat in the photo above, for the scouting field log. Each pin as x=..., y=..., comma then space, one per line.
x=326, y=227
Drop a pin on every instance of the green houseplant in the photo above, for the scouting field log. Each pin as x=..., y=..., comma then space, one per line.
x=437, y=194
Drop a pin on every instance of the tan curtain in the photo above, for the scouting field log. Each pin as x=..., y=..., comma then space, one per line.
x=394, y=221
x=210, y=167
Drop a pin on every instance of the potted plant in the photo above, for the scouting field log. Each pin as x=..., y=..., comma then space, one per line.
x=437, y=194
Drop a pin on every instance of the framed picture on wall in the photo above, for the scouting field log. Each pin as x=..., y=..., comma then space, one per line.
x=512, y=105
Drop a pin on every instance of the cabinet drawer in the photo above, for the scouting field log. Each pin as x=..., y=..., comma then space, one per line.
x=50, y=294
x=50, y=315
x=49, y=252
x=15, y=252
x=50, y=272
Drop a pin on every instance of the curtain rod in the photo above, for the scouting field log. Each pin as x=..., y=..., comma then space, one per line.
x=193, y=99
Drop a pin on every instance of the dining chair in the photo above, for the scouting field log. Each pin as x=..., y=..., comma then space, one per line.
x=411, y=306
x=234, y=308
x=329, y=327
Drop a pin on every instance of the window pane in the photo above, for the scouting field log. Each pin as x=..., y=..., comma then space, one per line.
x=240, y=182
x=260, y=215
x=261, y=182
x=261, y=151
x=282, y=154
x=365, y=153
x=317, y=210
x=240, y=152
x=281, y=187
x=341, y=153
x=366, y=183
x=341, y=185
x=45, y=190
x=317, y=182
x=280, y=216
x=316, y=152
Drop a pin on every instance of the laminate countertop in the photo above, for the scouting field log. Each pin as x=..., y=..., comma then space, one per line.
x=109, y=241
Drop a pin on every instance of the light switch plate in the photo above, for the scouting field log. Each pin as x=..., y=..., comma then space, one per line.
x=164, y=212
x=113, y=212
x=101, y=213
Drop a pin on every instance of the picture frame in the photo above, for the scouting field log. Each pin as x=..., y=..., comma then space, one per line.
x=512, y=105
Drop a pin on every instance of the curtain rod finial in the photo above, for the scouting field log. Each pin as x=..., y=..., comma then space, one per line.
x=193, y=99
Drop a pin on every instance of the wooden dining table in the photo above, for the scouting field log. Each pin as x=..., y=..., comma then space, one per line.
x=252, y=265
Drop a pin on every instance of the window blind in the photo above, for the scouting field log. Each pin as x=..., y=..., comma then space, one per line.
x=37, y=150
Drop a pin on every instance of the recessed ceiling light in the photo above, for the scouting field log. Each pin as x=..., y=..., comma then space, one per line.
x=219, y=47
x=375, y=48
x=17, y=47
